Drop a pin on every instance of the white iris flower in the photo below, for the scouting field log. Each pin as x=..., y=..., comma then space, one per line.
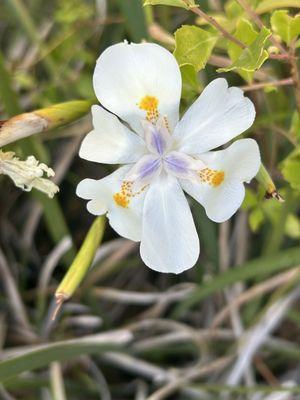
x=140, y=85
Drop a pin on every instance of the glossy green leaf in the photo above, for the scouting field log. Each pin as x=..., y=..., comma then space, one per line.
x=287, y=27
x=193, y=46
x=174, y=3
x=253, y=56
x=245, y=33
x=190, y=83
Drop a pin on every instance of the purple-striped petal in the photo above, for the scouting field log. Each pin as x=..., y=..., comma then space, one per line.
x=144, y=171
x=182, y=166
x=157, y=137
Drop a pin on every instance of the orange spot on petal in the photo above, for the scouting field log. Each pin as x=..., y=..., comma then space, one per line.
x=150, y=105
x=121, y=200
x=211, y=176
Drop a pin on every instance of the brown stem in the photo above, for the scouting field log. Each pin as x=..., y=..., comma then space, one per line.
x=261, y=85
x=295, y=75
x=60, y=299
x=249, y=10
x=213, y=22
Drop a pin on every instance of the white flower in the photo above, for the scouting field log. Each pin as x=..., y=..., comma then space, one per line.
x=28, y=174
x=144, y=199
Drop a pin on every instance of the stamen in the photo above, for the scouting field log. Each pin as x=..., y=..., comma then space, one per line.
x=211, y=176
x=150, y=105
x=123, y=197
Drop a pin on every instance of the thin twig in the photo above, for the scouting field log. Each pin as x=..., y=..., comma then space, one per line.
x=262, y=85
x=255, y=337
x=213, y=22
x=295, y=75
x=194, y=373
x=249, y=10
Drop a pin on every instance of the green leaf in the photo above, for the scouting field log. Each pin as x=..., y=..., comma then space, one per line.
x=253, y=56
x=245, y=33
x=193, y=46
x=290, y=169
x=42, y=355
x=174, y=3
x=190, y=83
x=269, y=5
x=287, y=27
x=233, y=9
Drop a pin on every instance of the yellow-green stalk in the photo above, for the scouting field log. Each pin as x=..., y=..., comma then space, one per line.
x=264, y=178
x=81, y=263
x=31, y=123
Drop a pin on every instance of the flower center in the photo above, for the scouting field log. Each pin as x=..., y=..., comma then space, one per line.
x=162, y=157
x=150, y=105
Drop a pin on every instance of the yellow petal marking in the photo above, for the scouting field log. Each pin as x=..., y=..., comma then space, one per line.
x=150, y=105
x=123, y=197
x=212, y=176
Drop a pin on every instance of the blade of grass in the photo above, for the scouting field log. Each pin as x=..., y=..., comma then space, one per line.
x=135, y=22
x=253, y=269
x=40, y=356
x=7, y=94
x=52, y=211
x=23, y=17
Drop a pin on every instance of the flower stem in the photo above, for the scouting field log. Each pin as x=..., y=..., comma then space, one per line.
x=213, y=22
x=295, y=75
x=261, y=85
x=249, y=10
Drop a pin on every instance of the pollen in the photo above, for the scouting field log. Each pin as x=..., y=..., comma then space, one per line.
x=123, y=197
x=150, y=105
x=211, y=176
x=121, y=200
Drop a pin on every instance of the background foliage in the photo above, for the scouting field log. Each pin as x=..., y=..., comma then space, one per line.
x=228, y=328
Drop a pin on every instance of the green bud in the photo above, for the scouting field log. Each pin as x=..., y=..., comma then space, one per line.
x=31, y=123
x=81, y=263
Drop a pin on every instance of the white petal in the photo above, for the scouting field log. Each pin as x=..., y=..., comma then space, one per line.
x=169, y=240
x=111, y=141
x=218, y=115
x=126, y=222
x=126, y=73
x=240, y=162
x=220, y=202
